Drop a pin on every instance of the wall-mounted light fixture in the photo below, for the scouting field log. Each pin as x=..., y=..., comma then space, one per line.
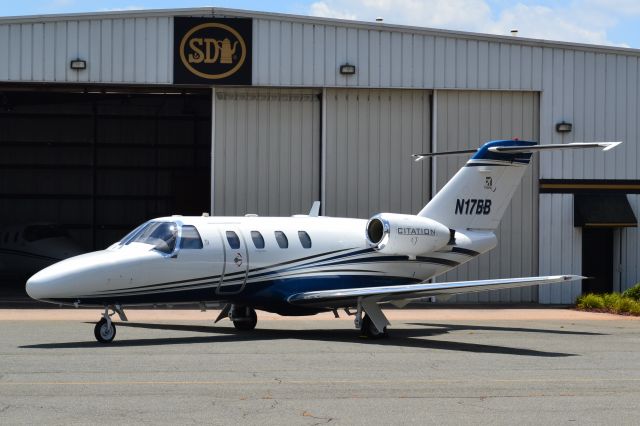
x=347, y=69
x=78, y=64
x=563, y=127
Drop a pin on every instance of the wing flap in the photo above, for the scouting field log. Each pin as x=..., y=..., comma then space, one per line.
x=348, y=297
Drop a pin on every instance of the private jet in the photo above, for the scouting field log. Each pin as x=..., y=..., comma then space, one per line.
x=26, y=249
x=303, y=265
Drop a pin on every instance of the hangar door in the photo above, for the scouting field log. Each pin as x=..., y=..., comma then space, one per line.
x=266, y=151
x=371, y=135
x=465, y=120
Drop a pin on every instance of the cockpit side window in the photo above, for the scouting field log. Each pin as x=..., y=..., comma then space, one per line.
x=190, y=238
x=161, y=235
x=234, y=241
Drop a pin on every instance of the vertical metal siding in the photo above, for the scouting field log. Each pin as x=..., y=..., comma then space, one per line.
x=598, y=93
x=266, y=151
x=131, y=50
x=370, y=136
x=293, y=54
x=466, y=120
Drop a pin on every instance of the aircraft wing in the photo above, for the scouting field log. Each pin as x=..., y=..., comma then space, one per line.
x=349, y=296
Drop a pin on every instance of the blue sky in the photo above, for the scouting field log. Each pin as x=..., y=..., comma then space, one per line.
x=612, y=22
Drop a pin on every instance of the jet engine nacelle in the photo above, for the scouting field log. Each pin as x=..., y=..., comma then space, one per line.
x=404, y=234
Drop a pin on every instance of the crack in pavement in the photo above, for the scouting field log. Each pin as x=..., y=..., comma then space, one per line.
x=325, y=420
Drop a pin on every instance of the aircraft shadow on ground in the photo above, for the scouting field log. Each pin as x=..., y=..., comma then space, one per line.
x=408, y=338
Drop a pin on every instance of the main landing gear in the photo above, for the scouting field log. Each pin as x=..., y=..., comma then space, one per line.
x=244, y=318
x=371, y=320
x=105, y=329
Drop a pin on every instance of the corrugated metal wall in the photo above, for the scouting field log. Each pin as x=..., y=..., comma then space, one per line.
x=290, y=53
x=370, y=136
x=124, y=50
x=266, y=151
x=599, y=94
x=465, y=120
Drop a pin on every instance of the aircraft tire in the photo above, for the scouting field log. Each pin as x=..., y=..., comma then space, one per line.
x=370, y=331
x=103, y=333
x=248, y=323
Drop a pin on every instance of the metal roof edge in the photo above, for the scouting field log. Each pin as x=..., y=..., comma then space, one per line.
x=240, y=13
x=113, y=14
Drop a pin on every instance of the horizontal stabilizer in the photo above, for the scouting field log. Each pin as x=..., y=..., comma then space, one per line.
x=523, y=149
x=419, y=157
x=606, y=146
x=349, y=296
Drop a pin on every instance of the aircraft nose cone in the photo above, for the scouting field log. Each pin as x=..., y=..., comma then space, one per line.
x=37, y=286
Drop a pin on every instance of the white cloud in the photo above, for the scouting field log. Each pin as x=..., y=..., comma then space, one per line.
x=125, y=8
x=623, y=7
x=583, y=21
x=322, y=9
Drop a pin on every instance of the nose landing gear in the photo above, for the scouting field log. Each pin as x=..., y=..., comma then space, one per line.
x=105, y=329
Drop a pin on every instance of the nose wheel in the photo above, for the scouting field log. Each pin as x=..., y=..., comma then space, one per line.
x=105, y=331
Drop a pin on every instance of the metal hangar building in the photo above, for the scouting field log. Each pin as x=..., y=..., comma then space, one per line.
x=109, y=119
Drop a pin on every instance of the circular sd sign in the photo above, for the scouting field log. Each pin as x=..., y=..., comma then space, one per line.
x=213, y=50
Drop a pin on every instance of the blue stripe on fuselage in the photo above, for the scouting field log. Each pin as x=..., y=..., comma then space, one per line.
x=271, y=295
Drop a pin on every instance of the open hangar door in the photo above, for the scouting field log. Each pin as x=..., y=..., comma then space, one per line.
x=88, y=166
x=466, y=120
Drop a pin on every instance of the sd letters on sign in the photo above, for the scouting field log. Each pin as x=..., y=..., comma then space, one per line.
x=473, y=206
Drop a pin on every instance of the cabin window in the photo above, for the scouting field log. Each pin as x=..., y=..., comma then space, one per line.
x=15, y=237
x=305, y=239
x=190, y=238
x=43, y=232
x=281, y=239
x=234, y=241
x=6, y=237
x=258, y=239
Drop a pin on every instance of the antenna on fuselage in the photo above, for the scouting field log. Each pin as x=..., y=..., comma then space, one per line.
x=315, y=209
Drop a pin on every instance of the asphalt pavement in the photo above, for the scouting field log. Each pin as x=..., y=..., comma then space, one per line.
x=437, y=367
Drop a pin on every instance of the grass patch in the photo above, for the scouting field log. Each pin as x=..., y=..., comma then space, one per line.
x=614, y=303
x=633, y=292
x=590, y=301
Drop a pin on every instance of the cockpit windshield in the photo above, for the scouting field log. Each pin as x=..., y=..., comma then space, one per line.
x=161, y=235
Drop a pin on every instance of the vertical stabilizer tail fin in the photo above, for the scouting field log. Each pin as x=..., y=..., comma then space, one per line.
x=480, y=192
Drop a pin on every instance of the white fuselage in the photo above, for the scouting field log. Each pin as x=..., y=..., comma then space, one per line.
x=240, y=269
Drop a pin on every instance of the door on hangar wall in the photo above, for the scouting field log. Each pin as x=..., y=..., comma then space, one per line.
x=370, y=136
x=266, y=151
x=466, y=120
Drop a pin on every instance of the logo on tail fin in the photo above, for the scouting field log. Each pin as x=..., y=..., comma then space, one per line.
x=488, y=184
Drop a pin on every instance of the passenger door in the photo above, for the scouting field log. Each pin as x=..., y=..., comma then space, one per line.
x=236, y=265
